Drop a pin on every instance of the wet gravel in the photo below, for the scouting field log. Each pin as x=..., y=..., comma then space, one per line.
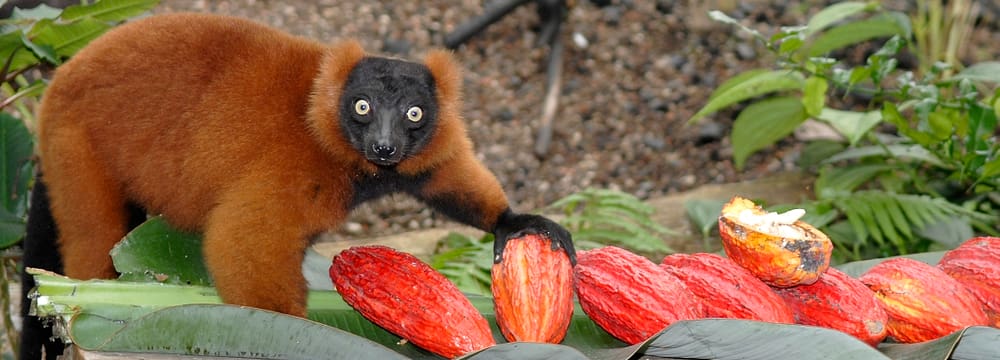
x=634, y=73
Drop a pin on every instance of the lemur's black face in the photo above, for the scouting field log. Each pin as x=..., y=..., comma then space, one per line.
x=388, y=109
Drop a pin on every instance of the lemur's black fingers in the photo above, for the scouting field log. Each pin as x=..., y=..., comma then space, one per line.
x=514, y=226
x=499, y=243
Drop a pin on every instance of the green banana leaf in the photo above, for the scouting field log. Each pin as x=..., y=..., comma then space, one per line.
x=131, y=316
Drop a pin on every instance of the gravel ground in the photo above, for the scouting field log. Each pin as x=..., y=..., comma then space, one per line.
x=641, y=70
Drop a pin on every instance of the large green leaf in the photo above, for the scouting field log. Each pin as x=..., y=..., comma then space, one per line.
x=763, y=123
x=704, y=214
x=12, y=44
x=154, y=251
x=836, y=13
x=222, y=330
x=909, y=152
x=987, y=71
x=882, y=26
x=526, y=351
x=16, y=146
x=723, y=339
x=142, y=317
x=11, y=229
x=852, y=124
x=746, y=87
x=109, y=10
x=67, y=39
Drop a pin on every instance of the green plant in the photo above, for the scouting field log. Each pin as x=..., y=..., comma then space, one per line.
x=595, y=217
x=599, y=217
x=32, y=43
x=918, y=164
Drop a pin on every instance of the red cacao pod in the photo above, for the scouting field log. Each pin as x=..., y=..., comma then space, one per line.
x=533, y=290
x=629, y=296
x=922, y=301
x=976, y=264
x=726, y=289
x=777, y=249
x=840, y=302
x=402, y=294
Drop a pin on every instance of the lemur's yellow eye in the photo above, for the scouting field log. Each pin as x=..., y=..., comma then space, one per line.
x=414, y=114
x=361, y=107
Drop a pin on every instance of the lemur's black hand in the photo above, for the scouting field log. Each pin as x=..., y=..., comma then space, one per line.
x=512, y=225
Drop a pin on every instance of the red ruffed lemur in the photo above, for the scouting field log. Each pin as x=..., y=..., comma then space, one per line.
x=258, y=139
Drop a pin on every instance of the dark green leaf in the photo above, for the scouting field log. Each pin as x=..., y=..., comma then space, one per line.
x=211, y=330
x=16, y=145
x=723, y=339
x=939, y=348
x=156, y=252
x=109, y=10
x=978, y=342
x=11, y=229
x=763, y=123
x=836, y=13
x=881, y=26
x=527, y=351
x=760, y=83
x=704, y=214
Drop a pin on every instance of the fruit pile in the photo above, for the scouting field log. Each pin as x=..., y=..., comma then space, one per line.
x=777, y=270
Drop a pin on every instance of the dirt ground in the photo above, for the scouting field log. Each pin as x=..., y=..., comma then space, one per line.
x=633, y=74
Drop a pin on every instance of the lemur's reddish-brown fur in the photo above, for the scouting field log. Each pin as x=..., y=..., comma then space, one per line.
x=231, y=128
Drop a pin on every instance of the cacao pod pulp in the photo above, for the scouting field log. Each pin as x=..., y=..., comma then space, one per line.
x=629, y=296
x=976, y=264
x=922, y=301
x=407, y=297
x=726, y=289
x=533, y=290
x=778, y=249
x=839, y=302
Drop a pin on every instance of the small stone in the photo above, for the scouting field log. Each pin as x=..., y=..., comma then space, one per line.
x=654, y=142
x=745, y=51
x=396, y=46
x=710, y=131
x=353, y=228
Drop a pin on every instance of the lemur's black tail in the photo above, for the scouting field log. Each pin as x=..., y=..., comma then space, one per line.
x=40, y=251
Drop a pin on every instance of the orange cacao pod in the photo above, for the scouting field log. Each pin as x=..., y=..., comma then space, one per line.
x=629, y=296
x=402, y=294
x=840, y=302
x=976, y=264
x=533, y=290
x=778, y=249
x=922, y=301
x=726, y=289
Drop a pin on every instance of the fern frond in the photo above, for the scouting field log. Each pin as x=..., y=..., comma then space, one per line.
x=895, y=218
x=602, y=216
